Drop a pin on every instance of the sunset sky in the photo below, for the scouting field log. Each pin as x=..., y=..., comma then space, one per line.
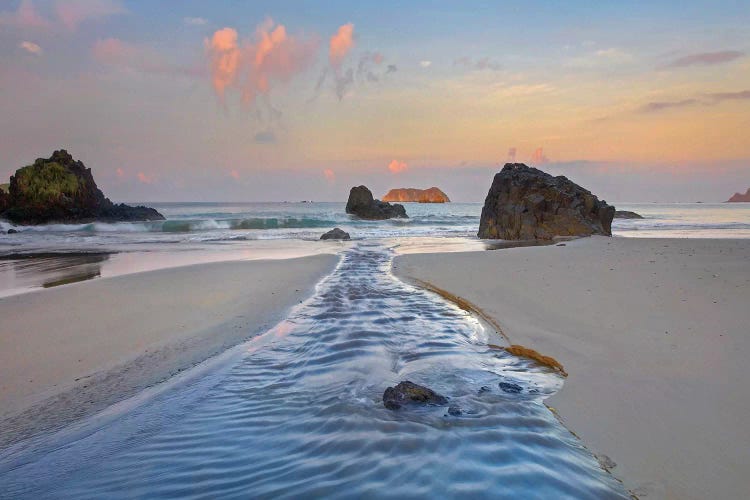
x=259, y=101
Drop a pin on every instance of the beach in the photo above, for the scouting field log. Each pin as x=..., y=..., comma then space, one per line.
x=70, y=351
x=653, y=335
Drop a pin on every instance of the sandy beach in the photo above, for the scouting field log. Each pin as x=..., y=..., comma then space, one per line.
x=654, y=336
x=70, y=351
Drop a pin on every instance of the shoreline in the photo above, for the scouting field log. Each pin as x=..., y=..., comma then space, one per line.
x=635, y=323
x=56, y=366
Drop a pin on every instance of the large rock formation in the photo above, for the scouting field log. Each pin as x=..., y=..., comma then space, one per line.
x=362, y=204
x=61, y=189
x=739, y=197
x=431, y=195
x=524, y=203
x=410, y=393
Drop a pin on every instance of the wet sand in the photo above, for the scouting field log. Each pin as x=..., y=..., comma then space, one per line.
x=654, y=336
x=69, y=351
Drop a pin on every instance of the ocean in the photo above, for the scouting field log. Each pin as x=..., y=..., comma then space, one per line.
x=50, y=255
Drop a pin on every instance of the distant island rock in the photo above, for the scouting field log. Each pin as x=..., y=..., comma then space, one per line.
x=525, y=203
x=61, y=189
x=363, y=205
x=431, y=195
x=625, y=214
x=740, y=198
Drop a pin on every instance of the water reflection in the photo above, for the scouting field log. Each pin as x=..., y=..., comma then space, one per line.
x=28, y=271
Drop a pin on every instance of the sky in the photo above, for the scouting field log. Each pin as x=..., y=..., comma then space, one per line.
x=297, y=100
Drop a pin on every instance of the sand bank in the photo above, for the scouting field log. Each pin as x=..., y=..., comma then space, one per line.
x=655, y=336
x=70, y=351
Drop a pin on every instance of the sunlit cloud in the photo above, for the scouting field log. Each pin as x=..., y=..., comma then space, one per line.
x=511, y=155
x=705, y=59
x=195, y=21
x=396, y=166
x=254, y=67
x=329, y=174
x=120, y=173
x=31, y=48
x=425, y=64
x=538, y=157
x=340, y=44
x=145, y=178
x=234, y=174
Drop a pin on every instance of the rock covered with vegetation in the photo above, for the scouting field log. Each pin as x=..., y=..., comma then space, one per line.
x=363, y=205
x=61, y=189
x=431, y=195
x=525, y=203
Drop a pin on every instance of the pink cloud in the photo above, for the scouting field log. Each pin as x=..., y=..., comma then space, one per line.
x=396, y=166
x=74, y=12
x=31, y=48
x=253, y=67
x=113, y=51
x=340, y=45
x=538, y=157
x=234, y=174
x=145, y=178
x=329, y=174
x=120, y=173
x=25, y=16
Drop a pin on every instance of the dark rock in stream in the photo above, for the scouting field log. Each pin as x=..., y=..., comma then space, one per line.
x=408, y=392
x=454, y=411
x=12, y=231
x=510, y=387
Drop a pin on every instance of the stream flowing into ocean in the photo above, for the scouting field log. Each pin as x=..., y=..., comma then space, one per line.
x=299, y=413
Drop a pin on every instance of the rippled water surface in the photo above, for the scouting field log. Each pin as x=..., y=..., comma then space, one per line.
x=300, y=414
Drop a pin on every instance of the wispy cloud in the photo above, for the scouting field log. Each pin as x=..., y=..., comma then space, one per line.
x=31, y=48
x=705, y=59
x=425, y=64
x=484, y=63
x=117, y=53
x=265, y=137
x=330, y=175
x=195, y=21
x=708, y=99
x=538, y=157
x=68, y=13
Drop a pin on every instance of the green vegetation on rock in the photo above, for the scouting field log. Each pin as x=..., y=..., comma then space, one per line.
x=47, y=182
x=5, y=188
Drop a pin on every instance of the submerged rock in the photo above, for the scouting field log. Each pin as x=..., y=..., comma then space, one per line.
x=625, y=214
x=335, y=234
x=510, y=387
x=410, y=393
x=525, y=203
x=12, y=231
x=61, y=189
x=363, y=205
x=431, y=195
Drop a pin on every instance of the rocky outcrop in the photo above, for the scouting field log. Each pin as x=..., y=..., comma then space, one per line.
x=61, y=189
x=625, y=214
x=431, y=195
x=524, y=203
x=335, y=234
x=362, y=204
x=740, y=198
x=406, y=393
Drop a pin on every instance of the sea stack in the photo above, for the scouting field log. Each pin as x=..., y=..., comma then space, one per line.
x=363, y=205
x=525, y=203
x=431, y=195
x=740, y=198
x=61, y=189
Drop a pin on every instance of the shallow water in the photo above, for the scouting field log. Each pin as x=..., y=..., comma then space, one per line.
x=300, y=414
